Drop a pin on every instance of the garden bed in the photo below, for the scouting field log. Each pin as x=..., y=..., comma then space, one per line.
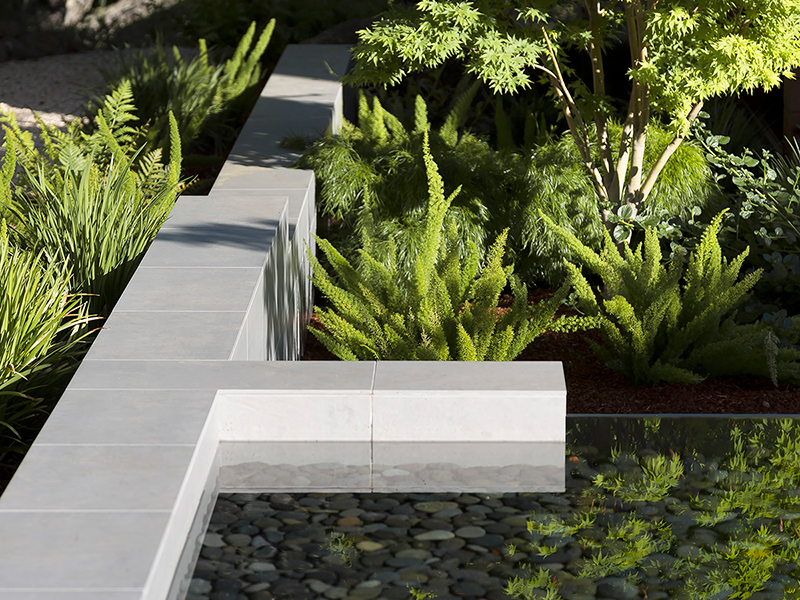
x=198, y=356
x=195, y=354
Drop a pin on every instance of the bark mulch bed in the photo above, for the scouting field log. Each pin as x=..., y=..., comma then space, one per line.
x=594, y=388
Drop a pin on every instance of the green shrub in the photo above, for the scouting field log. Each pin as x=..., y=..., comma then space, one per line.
x=442, y=308
x=685, y=188
x=681, y=58
x=746, y=489
x=764, y=200
x=202, y=96
x=92, y=201
x=375, y=174
x=663, y=324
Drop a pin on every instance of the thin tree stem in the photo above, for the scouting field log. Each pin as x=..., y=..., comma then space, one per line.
x=666, y=154
x=575, y=121
x=634, y=15
x=583, y=148
x=623, y=157
x=599, y=88
x=562, y=86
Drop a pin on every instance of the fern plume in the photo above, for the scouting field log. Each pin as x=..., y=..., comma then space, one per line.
x=447, y=310
x=458, y=114
x=666, y=323
x=373, y=176
x=242, y=70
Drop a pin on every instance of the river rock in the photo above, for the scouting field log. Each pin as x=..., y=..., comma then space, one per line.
x=617, y=588
x=368, y=546
x=434, y=536
x=434, y=507
x=470, y=532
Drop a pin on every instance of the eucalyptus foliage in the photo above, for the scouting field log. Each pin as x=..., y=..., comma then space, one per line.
x=681, y=55
x=443, y=308
x=676, y=324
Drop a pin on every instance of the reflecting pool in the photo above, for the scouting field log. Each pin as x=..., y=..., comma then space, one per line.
x=671, y=507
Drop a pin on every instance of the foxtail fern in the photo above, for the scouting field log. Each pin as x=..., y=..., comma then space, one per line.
x=661, y=323
x=244, y=68
x=445, y=308
x=372, y=176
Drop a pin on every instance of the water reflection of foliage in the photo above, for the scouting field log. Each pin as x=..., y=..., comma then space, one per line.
x=620, y=520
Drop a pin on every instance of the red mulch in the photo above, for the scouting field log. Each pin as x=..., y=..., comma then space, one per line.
x=594, y=388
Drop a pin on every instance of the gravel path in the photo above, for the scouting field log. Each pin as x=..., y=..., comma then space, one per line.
x=55, y=87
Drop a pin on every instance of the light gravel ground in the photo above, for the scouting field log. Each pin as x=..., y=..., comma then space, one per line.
x=55, y=87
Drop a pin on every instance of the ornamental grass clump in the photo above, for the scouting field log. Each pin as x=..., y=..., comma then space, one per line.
x=664, y=323
x=444, y=308
x=93, y=202
x=40, y=324
x=200, y=94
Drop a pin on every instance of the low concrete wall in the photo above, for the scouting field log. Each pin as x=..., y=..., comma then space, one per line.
x=227, y=277
x=182, y=390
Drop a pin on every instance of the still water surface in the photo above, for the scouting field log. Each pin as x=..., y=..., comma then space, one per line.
x=654, y=508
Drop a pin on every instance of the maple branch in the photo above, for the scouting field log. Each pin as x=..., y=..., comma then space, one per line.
x=577, y=126
x=634, y=15
x=666, y=154
x=599, y=87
